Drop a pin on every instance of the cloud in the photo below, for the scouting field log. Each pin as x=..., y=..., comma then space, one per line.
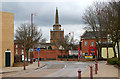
x=70, y=15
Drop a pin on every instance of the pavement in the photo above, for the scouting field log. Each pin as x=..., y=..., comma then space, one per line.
x=104, y=70
x=16, y=69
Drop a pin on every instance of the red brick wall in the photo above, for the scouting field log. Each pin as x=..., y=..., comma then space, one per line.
x=19, y=48
x=49, y=54
x=85, y=48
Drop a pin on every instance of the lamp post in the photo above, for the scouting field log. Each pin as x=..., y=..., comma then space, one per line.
x=38, y=49
x=24, y=55
x=104, y=11
x=32, y=36
x=107, y=50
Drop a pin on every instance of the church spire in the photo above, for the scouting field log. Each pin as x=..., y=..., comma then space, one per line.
x=56, y=17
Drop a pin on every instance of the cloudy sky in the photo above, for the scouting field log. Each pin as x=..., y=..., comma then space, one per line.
x=70, y=14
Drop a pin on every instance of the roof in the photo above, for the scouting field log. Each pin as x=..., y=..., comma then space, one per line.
x=43, y=45
x=47, y=44
x=16, y=42
x=90, y=34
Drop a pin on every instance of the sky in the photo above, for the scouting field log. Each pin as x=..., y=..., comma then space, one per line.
x=70, y=14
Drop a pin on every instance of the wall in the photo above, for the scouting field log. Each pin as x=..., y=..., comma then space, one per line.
x=49, y=54
x=18, y=49
x=57, y=36
x=7, y=35
x=0, y=39
x=85, y=48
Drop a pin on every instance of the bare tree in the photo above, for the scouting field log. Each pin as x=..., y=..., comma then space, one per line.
x=24, y=32
x=95, y=23
x=104, y=17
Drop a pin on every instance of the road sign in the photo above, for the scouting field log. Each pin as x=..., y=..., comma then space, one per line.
x=38, y=49
x=31, y=50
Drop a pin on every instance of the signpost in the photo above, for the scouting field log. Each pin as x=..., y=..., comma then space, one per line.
x=79, y=53
x=31, y=54
x=38, y=49
x=24, y=55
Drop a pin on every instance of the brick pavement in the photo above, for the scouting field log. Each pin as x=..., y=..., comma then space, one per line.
x=104, y=70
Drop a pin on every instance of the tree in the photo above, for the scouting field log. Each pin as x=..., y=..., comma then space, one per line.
x=114, y=20
x=104, y=17
x=24, y=31
x=92, y=17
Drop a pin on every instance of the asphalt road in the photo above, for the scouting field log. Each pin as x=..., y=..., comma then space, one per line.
x=53, y=69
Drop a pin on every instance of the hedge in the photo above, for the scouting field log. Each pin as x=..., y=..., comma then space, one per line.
x=67, y=56
x=114, y=61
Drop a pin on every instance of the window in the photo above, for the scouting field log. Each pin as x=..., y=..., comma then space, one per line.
x=22, y=51
x=85, y=43
x=16, y=46
x=92, y=43
x=60, y=35
x=54, y=27
x=53, y=35
x=59, y=27
x=22, y=45
x=16, y=51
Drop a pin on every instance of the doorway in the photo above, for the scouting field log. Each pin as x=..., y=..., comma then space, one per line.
x=7, y=58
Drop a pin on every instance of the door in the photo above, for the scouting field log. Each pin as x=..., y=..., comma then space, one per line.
x=7, y=59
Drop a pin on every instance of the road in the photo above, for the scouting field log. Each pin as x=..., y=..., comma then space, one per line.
x=53, y=69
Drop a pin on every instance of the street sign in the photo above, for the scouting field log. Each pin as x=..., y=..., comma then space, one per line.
x=38, y=49
x=31, y=50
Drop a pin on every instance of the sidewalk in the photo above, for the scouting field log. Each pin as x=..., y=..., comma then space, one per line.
x=104, y=70
x=14, y=69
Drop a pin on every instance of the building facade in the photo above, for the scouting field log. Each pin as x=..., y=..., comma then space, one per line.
x=6, y=39
x=18, y=48
x=56, y=34
x=88, y=40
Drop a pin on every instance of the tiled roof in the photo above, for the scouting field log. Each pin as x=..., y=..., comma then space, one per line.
x=91, y=34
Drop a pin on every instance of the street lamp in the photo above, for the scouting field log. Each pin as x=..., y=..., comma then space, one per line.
x=24, y=54
x=104, y=11
x=38, y=49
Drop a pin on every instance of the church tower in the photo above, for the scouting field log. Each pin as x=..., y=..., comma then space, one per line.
x=56, y=33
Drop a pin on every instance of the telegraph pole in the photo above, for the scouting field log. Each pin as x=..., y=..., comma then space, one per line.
x=24, y=55
x=31, y=37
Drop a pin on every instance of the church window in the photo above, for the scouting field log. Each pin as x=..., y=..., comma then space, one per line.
x=53, y=35
x=60, y=35
x=59, y=27
x=54, y=27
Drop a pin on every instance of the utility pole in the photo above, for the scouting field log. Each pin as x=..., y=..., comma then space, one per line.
x=32, y=37
x=24, y=55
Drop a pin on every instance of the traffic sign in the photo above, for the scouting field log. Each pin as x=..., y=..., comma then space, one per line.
x=38, y=49
x=31, y=50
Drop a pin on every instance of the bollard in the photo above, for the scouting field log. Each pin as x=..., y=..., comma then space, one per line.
x=97, y=64
x=91, y=73
x=38, y=63
x=95, y=68
x=79, y=74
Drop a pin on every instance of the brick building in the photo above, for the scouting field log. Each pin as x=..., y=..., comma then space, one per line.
x=88, y=39
x=6, y=39
x=18, y=48
x=56, y=33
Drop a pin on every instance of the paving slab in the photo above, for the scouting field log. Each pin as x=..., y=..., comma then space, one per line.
x=15, y=69
x=104, y=70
